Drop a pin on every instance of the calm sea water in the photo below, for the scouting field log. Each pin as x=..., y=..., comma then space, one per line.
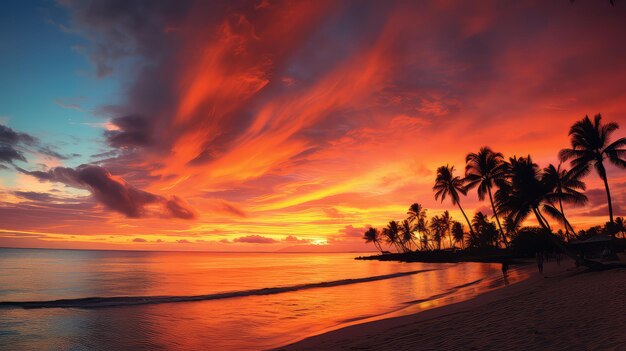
x=357, y=291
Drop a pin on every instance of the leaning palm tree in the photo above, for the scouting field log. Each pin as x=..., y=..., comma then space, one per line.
x=485, y=170
x=590, y=146
x=391, y=234
x=523, y=192
x=564, y=186
x=372, y=235
x=446, y=184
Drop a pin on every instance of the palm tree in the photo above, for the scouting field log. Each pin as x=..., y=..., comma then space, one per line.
x=391, y=234
x=438, y=228
x=372, y=235
x=446, y=184
x=407, y=237
x=510, y=226
x=446, y=223
x=417, y=217
x=620, y=226
x=523, y=192
x=590, y=146
x=564, y=186
x=457, y=233
x=485, y=170
x=416, y=212
x=487, y=233
x=424, y=240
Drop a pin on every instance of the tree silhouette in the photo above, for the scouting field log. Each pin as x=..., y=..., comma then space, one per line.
x=406, y=234
x=372, y=235
x=484, y=170
x=438, y=229
x=511, y=227
x=523, y=192
x=590, y=147
x=391, y=234
x=458, y=234
x=446, y=184
x=620, y=226
x=564, y=186
x=446, y=223
x=417, y=217
x=486, y=233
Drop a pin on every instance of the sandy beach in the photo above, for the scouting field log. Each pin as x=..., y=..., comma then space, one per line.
x=565, y=309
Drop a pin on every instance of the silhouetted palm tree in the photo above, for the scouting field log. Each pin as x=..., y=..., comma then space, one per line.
x=590, y=146
x=458, y=234
x=415, y=212
x=372, y=235
x=417, y=217
x=424, y=233
x=620, y=225
x=446, y=184
x=438, y=229
x=510, y=226
x=391, y=234
x=564, y=186
x=523, y=192
x=446, y=223
x=407, y=236
x=486, y=231
x=485, y=170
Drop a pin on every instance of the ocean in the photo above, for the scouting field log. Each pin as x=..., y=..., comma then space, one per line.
x=138, y=300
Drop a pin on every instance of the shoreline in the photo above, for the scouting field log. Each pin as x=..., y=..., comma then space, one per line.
x=443, y=256
x=536, y=313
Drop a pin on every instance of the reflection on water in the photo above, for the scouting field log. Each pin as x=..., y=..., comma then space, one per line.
x=242, y=323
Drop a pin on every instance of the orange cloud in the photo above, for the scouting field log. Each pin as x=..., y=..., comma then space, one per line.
x=293, y=122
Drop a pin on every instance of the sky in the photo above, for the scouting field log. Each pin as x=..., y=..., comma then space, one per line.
x=284, y=125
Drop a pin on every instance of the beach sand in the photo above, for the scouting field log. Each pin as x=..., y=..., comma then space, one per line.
x=567, y=309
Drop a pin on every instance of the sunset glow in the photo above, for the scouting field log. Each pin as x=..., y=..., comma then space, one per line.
x=285, y=126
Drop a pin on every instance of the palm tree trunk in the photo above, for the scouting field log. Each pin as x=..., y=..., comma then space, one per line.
x=541, y=220
x=544, y=220
x=377, y=244
x=559, y=244
x=398, y=246
x=493, y=208
x=414, y=243
x=608, y=194
x=568, y=226
x=466, y=219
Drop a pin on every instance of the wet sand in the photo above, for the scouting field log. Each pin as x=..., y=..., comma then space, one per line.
x=565, y=309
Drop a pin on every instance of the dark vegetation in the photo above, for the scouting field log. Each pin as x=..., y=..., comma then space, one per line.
x=517, y=189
